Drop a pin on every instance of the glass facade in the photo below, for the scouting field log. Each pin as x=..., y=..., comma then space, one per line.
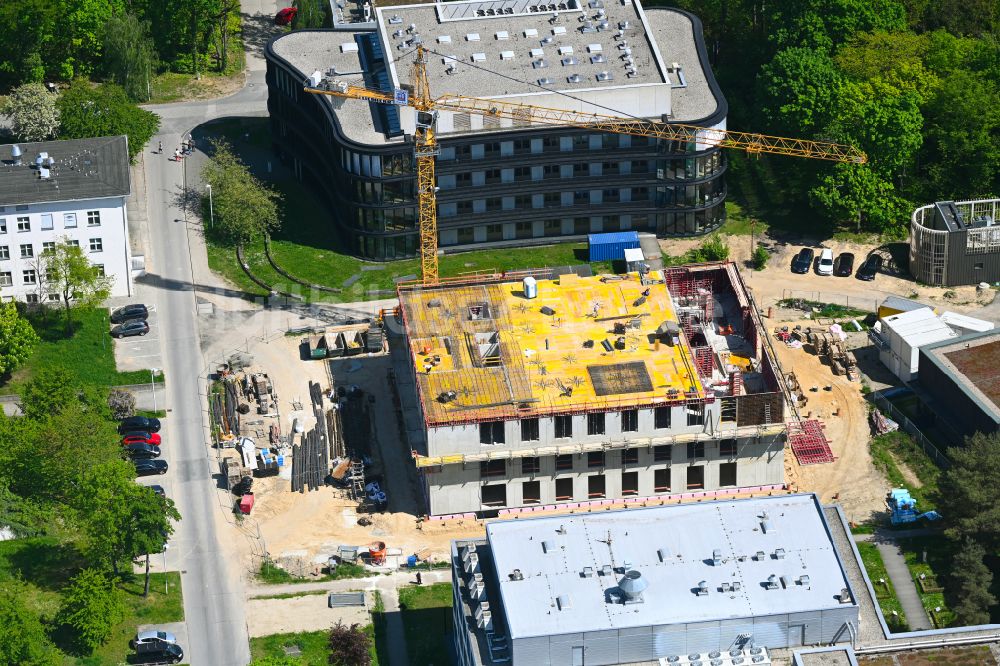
x=522, y=184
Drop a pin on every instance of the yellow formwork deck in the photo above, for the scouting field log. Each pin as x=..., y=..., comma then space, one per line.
x=501, y=357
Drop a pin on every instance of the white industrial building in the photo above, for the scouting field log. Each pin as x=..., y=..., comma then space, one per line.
x=715, y=583
x=53, y=191
x=899, y=337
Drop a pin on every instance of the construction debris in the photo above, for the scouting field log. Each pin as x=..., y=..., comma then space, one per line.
x=880, y=424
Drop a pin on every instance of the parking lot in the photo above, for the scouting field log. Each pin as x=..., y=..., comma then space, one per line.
x=141, y=351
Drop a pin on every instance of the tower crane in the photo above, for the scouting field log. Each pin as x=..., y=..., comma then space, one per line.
x=426, y=143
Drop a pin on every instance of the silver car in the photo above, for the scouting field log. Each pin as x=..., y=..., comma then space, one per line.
x=153, y=636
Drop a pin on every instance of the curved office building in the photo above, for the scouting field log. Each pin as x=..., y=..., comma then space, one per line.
x=501, y=180
x=956, y=242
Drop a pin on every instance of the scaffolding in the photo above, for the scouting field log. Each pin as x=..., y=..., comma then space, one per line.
x=809, y=443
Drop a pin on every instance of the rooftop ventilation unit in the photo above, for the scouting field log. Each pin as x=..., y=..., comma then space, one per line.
x=804, y=580
x=467, y=551
x=545, y=81
x=594, y=48
x=605, y=76
x=631, y=73
x=569, y=62
x=516, y=575
x=411, y=28
x=540, y=63
x=606, y=570
x=472, y=564
x=564, y=602
x=444, y=39
x=478, y=57
x=502, y=36
x=779, y=553
x=717, y=557
x=531, y=32
x=759, y=556
x=483, y=607
x=559, y=30
x=508, y=10
x=546, y=40
x=348, y=47
x=15, y=154
x=845, y=596
x=772, y=582
x=588, y=572
x=397, y=33
x=485, y=622
x=702, y=589
x=623, y=25
x=506, y=55
x=480, y=12
x=472, y=37
x=537, y=53
x=395, y=19
x=554, y=19
x=632, y=586
x=450, y=69
x=548, y=547
x=602, y=25
x=597, y=58
x=477, y=590
x=565, y=50
x=663, y=554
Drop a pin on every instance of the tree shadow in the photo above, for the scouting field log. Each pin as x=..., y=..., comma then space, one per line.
x=49, y=323
x=44, y=562
x=258, y=30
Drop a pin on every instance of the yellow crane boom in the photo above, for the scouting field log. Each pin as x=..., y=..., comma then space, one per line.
x=425, y=138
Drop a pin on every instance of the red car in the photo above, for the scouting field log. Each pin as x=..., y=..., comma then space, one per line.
x=142, y=438
x=285, y=16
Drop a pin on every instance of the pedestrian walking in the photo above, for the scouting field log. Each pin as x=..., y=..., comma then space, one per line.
x=177, y=155
x=159, y=147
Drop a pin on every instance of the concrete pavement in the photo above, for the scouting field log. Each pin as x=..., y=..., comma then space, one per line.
x=902, y=581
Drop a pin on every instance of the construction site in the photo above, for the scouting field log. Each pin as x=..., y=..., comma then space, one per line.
x=532, y=391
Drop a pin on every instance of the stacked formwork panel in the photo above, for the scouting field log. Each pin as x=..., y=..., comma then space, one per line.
x=809, y=442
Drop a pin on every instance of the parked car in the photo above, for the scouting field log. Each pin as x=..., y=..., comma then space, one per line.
x=157, y=653
x=285, y=16
x=803, y=260
x=158, y=489
x=143, y=423
x=825, y=266
x=133, y=311
x=130, y=328
x=844, y=265
x=153, y=637
x=141, y=438
x=148, y=466
x=872, y=265
x=140, y=450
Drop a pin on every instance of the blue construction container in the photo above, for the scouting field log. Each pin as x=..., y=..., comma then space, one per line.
x=612, y=246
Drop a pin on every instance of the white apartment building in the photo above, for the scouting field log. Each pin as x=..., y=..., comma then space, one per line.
x=72, y=190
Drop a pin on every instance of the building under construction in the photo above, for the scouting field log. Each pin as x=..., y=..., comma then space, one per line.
x=536, y=389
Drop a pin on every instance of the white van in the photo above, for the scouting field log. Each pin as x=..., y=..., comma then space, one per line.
x=825, y=262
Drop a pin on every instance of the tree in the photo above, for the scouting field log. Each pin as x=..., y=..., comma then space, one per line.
x=825, y=24
x=32, y=112
x=22, y=636
x=17, y=338
x=971, y=581
x=29, y=30
x=66, y=270
x=760, y=257
x=52, y=389
x=276, y=661
x=76, y=48
x=850, y=193
x=92, y=606
x=310, y=14
x=121, y=403
x=798, y=91
x=896, y=59
x=349, y=645
x=150, y=526
x=245, y=209
x=965, y=491
x=129, y=55
x=86, y=111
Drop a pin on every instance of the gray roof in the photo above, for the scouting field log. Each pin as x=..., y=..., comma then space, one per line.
x=83, y=169
x=657, y=38
x=672, y=547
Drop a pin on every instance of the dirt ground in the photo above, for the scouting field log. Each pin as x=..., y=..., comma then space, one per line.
x=306, y=613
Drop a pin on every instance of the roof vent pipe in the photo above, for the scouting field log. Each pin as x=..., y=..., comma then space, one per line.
x=632, y=586
x=15, y=154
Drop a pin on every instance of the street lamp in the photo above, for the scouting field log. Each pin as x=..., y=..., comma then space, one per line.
x=152, y=385
x=211, y=211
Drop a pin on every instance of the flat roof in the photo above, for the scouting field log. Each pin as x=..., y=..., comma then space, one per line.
x=919, y=327
x=974, y=361
x=672, y=548
x=83, y=169
x=506, y=356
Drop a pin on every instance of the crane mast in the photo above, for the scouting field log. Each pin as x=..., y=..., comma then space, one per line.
x=426, y=145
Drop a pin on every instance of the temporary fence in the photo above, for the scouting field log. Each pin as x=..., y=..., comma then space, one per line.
x=939, y=458
x=866, y=303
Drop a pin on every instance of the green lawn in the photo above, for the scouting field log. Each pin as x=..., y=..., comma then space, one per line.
x=885, y=592
x=87, y=352
x=939, y=552
x=273, y=575
x=45, y=566
x=313, y=646
x=426, y=621
x=894, y=447
x=291, y=595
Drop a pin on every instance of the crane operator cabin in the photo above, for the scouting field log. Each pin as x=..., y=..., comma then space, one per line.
x=501, y=179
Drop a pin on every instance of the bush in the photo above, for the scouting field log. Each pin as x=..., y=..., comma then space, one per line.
x=760, y=257
x=92, y=606
x=349, y=645
x=121, y=403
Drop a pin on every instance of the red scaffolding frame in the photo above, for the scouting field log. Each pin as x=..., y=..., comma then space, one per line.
x=809, y=442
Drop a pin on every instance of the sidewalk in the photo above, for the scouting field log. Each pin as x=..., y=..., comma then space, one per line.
x=906, y=589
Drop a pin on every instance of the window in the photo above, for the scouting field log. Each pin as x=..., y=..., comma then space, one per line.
x=661, y=480
x=488, y=468
x=630, y=457
x=727, y=448
x=96, y=245
x=54, y=297
x=696, y=450
x=595, y=459
x=595, y=424
x=6, y=279
x=695, y=477
x=529, y=430
x=564, y=426
x=28, y=277
x=27, y=251
x=727, y=410
x=531, y=492
x=46, y=221
x=23, y=224
x=661, y=417
x=495, y=495
x=74, y=243
x=695, y=415
x=20, y=208
x=99, y=269
x=630, y=420
x=661, y=453
x=491, y=433
x=630, y=483
x=595, y=486
x=93, y=218
x=3, y=225
x=4, y=252
x=564, y=462
x=69, y=220
x=564, y=490
x=31, y=298
x=727, y=474
x=531, y=465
